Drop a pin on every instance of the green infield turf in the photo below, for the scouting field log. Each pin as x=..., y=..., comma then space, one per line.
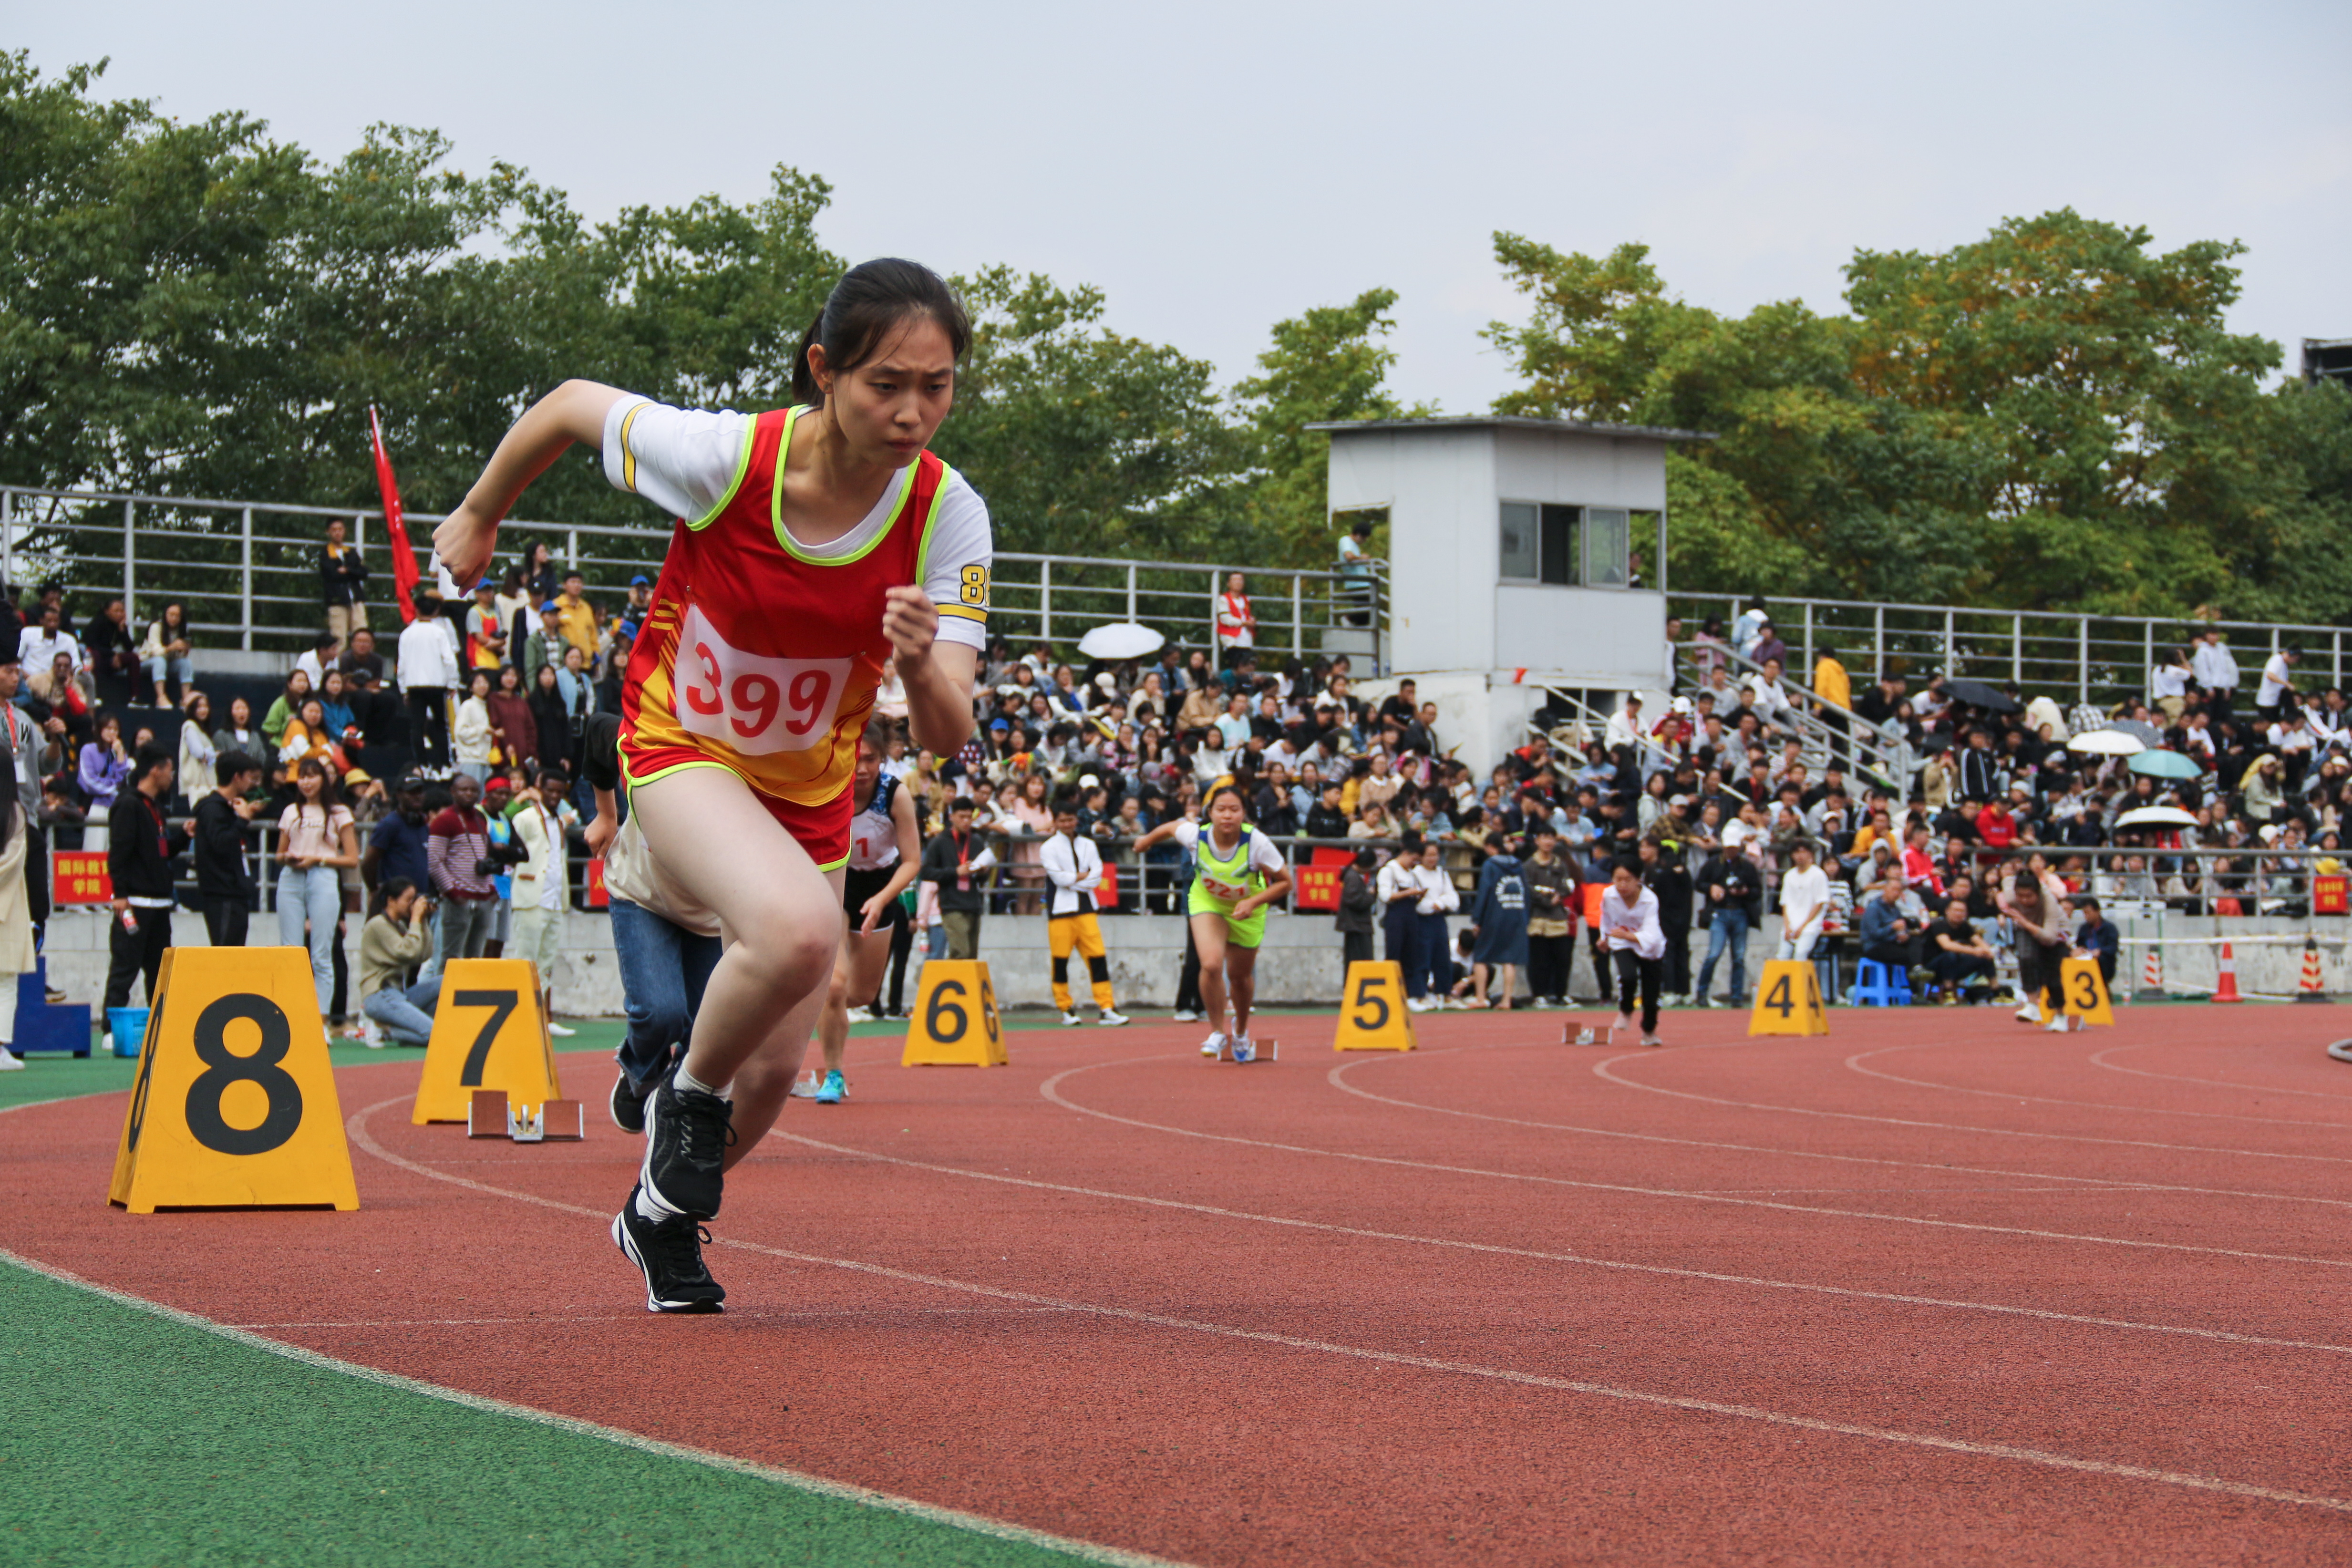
x=139, y=1438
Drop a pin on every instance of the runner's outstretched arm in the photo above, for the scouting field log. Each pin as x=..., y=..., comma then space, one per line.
x=572, y=412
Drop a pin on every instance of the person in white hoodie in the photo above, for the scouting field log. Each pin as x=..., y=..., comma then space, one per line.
x=1637, y=945
x=1804, y=900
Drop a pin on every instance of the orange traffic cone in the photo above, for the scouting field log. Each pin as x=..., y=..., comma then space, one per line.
x=2314, y=988
x=2151, y=976
x=2225, y=988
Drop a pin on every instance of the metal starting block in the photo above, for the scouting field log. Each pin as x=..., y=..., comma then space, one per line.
x=1574, y=1034
x=488, y=1115
x=1265, y=1050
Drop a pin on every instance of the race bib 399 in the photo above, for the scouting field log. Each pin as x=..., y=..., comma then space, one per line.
x=756, y=704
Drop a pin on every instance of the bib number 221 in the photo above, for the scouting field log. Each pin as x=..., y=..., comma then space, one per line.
x=755, y=704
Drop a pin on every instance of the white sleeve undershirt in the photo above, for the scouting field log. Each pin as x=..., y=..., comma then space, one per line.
x=684, y=461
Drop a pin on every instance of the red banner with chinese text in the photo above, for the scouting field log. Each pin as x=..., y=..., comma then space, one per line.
x=1318, y=880
x=80, y=876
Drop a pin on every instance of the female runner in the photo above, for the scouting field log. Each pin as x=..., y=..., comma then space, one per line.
x=885, y=851
x=1240, y=872
x=815, y=543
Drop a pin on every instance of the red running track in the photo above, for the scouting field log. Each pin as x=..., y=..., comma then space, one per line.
x=1934, y=1288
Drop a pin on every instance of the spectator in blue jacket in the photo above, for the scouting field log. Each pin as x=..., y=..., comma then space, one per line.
x=2097, y=938
x=1887, y=934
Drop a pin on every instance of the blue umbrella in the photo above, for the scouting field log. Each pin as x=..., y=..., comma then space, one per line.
x=2165, y=765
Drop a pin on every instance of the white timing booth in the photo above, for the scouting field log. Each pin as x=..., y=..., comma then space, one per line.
x=1523, y=554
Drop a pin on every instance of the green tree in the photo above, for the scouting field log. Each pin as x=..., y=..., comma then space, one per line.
x=137, y=276
x=1330, y=363
x=1086, y=442
x=2052, y=416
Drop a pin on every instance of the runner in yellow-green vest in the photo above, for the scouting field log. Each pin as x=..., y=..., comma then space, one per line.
x=1239, y=874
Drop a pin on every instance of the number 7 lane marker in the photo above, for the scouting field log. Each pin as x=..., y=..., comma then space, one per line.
x=2042, y=1458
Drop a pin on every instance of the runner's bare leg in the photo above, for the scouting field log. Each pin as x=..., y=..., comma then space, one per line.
x=1209, y=943
x=781, y=914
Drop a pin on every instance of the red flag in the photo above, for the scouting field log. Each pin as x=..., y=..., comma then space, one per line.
x=403, y=558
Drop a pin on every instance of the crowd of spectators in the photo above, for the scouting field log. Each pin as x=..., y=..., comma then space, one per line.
x=1712, y=797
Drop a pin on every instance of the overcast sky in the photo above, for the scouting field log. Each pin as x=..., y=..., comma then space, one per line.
x=1218, y=166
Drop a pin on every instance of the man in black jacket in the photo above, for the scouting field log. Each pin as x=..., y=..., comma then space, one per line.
x=1733, y=886
x=1358, y=902
x=1324, y=818
x=140, y=846
x=953, y=863
x=1666, y=870
x=1978, y=765
x=223, y=875
x=342, y=583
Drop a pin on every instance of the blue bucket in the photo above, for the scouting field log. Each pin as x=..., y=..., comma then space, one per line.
x=128, y=1026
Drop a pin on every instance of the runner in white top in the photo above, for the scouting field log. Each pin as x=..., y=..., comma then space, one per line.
x=1637, y=944
x=1240, y=874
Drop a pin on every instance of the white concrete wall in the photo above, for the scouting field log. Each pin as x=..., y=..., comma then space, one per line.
x=1611, y=638
x=1299, y=963
x=1581, y=469
x=1444, y=539
x=1300, y=960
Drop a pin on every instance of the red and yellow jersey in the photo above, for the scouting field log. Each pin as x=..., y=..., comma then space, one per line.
x=762, y=655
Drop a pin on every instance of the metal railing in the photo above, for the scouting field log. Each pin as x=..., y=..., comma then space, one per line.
x=248, y=570
x=1835, y=732
x=2101, y=659
x=2265, y=880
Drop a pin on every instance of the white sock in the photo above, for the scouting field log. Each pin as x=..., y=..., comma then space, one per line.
x=649, y=1210
x=687, y=1080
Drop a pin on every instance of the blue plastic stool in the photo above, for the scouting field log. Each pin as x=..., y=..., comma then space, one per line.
x=127, y=1026
x=1877, y=986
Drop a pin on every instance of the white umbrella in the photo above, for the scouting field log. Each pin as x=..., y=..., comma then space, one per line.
x=2107, y=743
x=2156, y=816
x=1120, y=639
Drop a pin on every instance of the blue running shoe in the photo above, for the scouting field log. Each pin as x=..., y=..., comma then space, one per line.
x=833, y=1090
x=1243, y=1050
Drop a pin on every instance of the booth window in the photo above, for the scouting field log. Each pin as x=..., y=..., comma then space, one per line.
x=1569, y=545
x=1607, y=547
x=1518, y=540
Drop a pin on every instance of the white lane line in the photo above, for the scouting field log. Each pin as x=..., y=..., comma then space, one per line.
x=1577, y=1258
x=930, y=1513
x=2099, y=1058
x=1049, y=1090
x=1337, y=1078
x=1854, y=1063
x=357, y=1127
x=1600, y=1069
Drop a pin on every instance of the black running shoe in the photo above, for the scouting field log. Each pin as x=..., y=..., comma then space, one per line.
x=687, y=1135
x=629, y=1103
x=668, y=1253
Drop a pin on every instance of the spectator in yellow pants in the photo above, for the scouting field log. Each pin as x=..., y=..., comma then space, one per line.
x=1073, y=870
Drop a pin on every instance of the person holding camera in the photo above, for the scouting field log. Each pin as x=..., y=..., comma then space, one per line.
x=461, y=859
x=396, y=940
x=539, y=883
